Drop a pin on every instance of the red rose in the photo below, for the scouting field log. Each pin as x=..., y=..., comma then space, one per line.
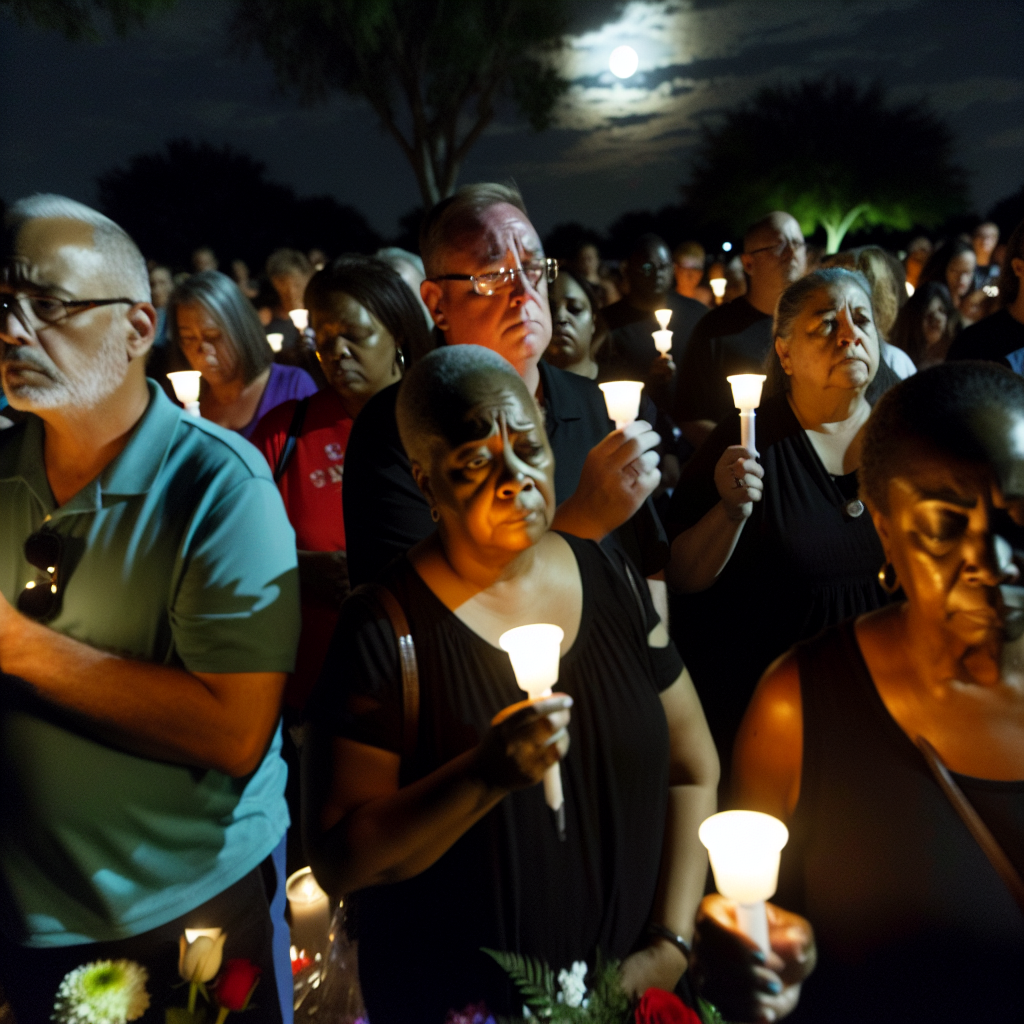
x=660, y=1007
x=235, y=984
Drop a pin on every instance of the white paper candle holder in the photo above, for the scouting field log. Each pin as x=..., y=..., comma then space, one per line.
x=186, y=388
x=663, y=316
x=275, y=340
x=663, y=341
x=746, y=396
x=299, y=317
x=622, y=397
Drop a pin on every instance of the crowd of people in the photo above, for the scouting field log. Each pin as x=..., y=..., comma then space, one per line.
x=266, y=632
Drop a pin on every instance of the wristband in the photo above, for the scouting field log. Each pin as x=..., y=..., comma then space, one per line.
x=666, y=933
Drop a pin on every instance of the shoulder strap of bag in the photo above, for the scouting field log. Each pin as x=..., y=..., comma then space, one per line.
x=407, y=661
x=294, y=429
x=970, y=817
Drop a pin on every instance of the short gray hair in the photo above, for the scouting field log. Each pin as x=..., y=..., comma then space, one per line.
x=110, y=240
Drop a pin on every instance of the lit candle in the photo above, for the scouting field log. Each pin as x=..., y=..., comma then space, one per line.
x=300, y=317
x=623, y=400
x=663, y=316
x=186, y=387
x=717, y=287
x=535, y=652
x=275, y=340
x=744, y=848
x=310, y=911
x=746, y=396
x=191, y=934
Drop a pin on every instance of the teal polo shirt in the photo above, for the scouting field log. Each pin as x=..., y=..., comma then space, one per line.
x=179, y=553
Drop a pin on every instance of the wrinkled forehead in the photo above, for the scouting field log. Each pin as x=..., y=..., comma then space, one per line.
x=52, y=253
x=834, y=296
x=497, y=230
x=483, y=405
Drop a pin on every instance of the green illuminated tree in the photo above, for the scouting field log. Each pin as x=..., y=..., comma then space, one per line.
x=77, y=19
x=832, y=154
x=434, y=71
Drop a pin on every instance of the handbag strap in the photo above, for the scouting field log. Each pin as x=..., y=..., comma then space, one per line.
x=294, y=429
x=970, y=817
x=391, y=607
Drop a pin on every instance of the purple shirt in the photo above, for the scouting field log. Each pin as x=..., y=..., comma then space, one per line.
x=284, y=384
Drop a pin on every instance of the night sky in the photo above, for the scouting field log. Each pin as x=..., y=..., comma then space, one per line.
x=70, y=111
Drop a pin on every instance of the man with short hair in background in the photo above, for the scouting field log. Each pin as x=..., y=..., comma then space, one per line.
x=984, y=240
x=148, y=618
x=737, y=336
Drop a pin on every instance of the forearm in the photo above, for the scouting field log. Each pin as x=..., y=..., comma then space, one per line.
x=400, y=835
x=700, y=553
x=151, y=710
x=697, y=431
x=577, y=517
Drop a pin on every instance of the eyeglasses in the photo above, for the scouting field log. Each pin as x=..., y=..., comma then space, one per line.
x=489, y=284
x=779, y=247
x=650, y=269
x=41, y=598
x=46, y=310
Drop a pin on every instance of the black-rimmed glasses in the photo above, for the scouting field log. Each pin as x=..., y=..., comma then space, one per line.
x=41, y=598
x=489, y=284
x=779, y=247
x=46, y=309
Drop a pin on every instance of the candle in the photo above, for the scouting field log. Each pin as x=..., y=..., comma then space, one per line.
x=663, y=316
x=191, y=934
x=663, y=341
x=186, y=387
x=310, y=910
x=623, y=400
x=744, y=848
x=746, y=396
x=275, y=340
x=535, y=652
x=300, y=317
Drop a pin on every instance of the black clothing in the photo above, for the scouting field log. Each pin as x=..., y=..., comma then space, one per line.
x=508, y=883
x=802, y=563
x=297, y=350
x=911, y=920
x=632, y=346
x=734, y=338
x=997, y=338
x=385, y=513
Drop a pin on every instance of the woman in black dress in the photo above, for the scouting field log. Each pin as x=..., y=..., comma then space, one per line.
x=848, y=736
x=770, y=552
x=453, y=848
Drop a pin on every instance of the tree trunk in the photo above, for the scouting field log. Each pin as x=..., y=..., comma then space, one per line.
x=836, y=230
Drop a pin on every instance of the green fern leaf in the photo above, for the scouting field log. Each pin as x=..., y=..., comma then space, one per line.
x=534, y=979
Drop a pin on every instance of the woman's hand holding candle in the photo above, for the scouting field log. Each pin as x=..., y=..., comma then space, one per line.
x=524, y=741
x=739, y=479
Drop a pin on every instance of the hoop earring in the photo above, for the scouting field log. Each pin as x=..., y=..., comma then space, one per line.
x=890, y=587
x=400, y=360
x=435, y=515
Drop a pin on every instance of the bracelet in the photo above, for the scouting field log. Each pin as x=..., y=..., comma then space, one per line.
x=666, y=933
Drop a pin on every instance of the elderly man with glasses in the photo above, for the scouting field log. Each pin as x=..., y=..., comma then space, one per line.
x=736, y=337
x=148, y=617
x=487, y=281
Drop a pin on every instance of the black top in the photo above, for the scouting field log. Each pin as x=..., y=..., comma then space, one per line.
x=734, y=338
x=911, y=920
x=997, y=338
x=803, y=562
x=509, y=883
x=385, y=513
x=632, y=343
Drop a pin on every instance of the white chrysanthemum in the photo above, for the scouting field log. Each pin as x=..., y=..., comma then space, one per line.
x=573, y=984
x=104, y=992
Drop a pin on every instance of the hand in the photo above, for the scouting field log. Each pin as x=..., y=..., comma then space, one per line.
x=524, y=741
x=738, y=479
x=733, y=973
x=323, y=576
x=8, y=618
x=659, y=965
x=661, y=369
x=618, y=475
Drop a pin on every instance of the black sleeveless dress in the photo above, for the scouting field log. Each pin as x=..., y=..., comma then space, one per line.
x=509, y=883
x=912, y=922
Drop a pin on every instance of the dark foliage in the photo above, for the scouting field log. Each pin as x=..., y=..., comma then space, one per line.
x=77, y=19
x=1008, y=213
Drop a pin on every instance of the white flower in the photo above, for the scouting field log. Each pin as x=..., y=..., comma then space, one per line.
x=104, y=992
x=573, y=983
x=199, y=960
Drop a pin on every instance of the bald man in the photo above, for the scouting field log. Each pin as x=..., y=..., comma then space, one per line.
x=736, y=337
x=148, y=617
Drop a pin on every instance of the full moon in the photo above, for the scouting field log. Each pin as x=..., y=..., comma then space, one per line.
x=623, y=62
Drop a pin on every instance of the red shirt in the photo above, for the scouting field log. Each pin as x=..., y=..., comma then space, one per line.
x=311, y=490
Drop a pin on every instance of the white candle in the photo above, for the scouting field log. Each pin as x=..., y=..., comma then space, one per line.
x=535, y=652
x=623, y=400
x=718, y=287
x=663, y=316
x=300, y=317
x=746, y=396
x=663, y=341
x=275, y=340
x=744, y=848
x=191, y=934
x=186, y=387
x=310, y=912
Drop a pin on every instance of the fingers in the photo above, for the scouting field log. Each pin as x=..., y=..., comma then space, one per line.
x=629, y=443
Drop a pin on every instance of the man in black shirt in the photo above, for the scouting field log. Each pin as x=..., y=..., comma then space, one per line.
x=736, y=337
x=487, y=285
x=651, y=276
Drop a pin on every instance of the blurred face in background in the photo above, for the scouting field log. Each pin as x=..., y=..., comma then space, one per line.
x=588, y=262
x=573, y=318
x=960, y=275
x=205, y=346
x=934, y=321
x=776, y=255
x=650, y=272
x=985, y=240
x=204, y=259
x=161, y=284
x=291, y=288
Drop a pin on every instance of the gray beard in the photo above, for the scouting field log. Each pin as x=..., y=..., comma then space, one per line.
x=97, y=381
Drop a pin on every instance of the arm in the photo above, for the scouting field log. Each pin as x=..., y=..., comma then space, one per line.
x=361, y=829
x=693, y=784
x=700, y=553
x=213, y=720
x=618, y=475
x=696, y=431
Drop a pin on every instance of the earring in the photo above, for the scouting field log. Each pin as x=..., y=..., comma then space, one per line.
x=400, y=360
x=435, y=515
x=889, y=586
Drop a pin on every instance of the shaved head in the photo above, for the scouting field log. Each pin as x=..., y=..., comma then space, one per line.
x=768, y=229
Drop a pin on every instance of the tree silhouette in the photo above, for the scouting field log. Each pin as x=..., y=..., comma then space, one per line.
x=832, y=154
x=193, y=194
x=76, y=19
x=434, y=71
